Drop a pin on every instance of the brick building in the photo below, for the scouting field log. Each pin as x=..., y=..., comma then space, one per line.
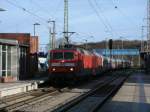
x=18, y=56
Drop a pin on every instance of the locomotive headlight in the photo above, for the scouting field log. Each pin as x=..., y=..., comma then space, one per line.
x=53, y=69
x=71, y=69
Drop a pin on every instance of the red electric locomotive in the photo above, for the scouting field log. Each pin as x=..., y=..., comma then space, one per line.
x=73, y=63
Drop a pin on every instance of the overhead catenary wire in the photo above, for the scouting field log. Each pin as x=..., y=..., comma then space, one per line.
x=57, y=7
x=26, y=10
x=105, y=18
x=97, y=4
x=43, y=9
x=51, y=18
x=122, y=13
x=43, y=20
x=100, y=17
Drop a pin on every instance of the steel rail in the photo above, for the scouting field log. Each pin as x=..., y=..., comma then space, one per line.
x=73, y=103
x=27, y=102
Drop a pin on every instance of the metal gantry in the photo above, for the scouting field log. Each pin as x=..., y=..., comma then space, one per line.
x=66, y=21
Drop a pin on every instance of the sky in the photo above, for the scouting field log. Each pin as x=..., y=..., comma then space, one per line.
x=92, y=20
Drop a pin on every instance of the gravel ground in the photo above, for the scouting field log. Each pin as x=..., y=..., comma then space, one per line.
x=54, y=101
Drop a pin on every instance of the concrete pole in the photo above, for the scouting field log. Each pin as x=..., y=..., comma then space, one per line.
x=34, y=29
x=122, y=50
x=148, y=24
x=106, y=46
x=53, y=34
x=35, y=24
x=86, y=44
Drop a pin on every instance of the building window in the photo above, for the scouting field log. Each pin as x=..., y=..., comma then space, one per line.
x=14, y=60
x=8, y=60
x=0, y=60
x=3, y=48
x=4, y=60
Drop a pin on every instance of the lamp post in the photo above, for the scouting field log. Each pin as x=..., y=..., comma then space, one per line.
x=35, y=24
x=122, y=50
x=85, y=43
x=118, y=54
x=142, y=33
x=106, y=47
x=53, y=34
x=1, y=9
x=142, y=39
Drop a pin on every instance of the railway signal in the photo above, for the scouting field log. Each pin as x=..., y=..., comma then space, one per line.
x=110, y=48
x=110, y=43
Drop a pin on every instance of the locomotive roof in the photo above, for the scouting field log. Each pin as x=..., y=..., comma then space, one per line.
x=64, y=49
x=84, y=51
x=81, y=50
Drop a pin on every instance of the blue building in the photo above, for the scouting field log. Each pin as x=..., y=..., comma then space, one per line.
x=114, y=52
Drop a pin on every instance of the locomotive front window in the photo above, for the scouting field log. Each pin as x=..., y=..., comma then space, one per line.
x=68, y=55
x=58, y=55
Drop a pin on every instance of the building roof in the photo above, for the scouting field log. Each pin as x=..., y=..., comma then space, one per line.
x=11, y=42
x=8, y=41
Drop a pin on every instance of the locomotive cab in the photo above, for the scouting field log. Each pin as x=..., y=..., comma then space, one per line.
x=63, y=61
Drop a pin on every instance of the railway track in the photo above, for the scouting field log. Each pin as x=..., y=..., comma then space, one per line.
x=52, y=99
x=94, y=99
x=33, y=93
x=15, y=102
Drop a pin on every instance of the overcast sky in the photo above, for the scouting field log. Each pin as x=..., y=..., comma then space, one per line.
x=98, y=18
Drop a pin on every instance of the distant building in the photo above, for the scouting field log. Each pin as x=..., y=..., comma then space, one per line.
x=125, y=52
x=18, y=56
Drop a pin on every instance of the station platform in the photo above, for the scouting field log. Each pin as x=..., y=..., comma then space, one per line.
x=133, y=96
x=7, y=89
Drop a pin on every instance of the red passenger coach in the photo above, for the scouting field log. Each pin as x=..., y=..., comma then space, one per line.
x=73, y=63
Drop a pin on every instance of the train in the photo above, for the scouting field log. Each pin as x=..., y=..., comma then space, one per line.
x=42, y=62
x=76, y=63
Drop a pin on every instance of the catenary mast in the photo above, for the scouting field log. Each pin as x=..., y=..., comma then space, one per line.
x=66, y=21
x=148, y=26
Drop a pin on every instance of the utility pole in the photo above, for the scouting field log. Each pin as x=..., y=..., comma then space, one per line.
x=148, y=25
x=122, y=55
x=118, y=54
x=50, y=36
x=35, y=24
x=53, y=35
x=50, y=39
x=66, y=21
x=106, y=46
x=142, y=40
x=86, y=46
x=110, y=49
